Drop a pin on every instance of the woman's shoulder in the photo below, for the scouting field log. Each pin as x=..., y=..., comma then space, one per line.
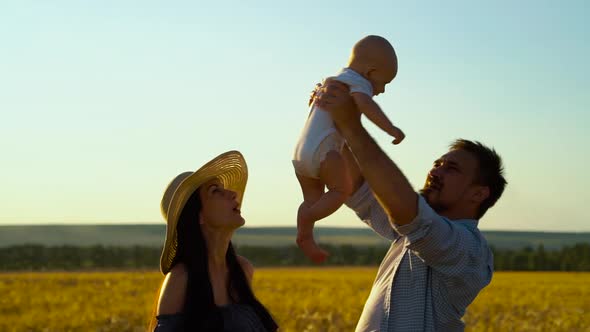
x=246, y=266
x=172, y=293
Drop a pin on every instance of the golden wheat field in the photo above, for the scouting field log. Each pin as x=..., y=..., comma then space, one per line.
x=301, y=299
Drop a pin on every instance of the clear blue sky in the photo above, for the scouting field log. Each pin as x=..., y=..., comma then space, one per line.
x=104, y=102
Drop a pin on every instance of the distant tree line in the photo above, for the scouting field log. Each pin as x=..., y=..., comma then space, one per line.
x=568, y=258
x=42, y=258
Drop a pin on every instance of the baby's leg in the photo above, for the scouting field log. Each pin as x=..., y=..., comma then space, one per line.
x=334, y=173
x=312, y=190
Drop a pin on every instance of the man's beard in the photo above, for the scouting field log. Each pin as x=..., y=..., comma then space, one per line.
x=436, y=206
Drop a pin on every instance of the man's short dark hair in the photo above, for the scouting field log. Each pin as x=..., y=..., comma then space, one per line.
x=490, y=171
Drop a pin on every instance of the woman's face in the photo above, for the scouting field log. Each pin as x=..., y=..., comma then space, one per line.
x=220, y=209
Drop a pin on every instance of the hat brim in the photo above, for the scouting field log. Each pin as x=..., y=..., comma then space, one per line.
x=229, y=168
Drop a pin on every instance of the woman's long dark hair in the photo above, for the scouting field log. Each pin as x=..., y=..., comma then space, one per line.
x=200, y=311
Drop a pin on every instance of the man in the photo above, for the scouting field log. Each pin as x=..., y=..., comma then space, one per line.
x=438, y=260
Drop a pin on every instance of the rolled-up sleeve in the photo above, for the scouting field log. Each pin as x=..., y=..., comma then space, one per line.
x=450, y=247
x=369, y=211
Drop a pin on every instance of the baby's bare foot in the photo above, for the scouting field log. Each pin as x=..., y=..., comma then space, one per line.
x=311, y=249
x=305, y=239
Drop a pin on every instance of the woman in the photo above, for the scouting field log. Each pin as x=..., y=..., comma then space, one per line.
x=207, y=286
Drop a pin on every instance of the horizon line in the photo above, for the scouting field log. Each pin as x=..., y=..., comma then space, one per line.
x=269, y=226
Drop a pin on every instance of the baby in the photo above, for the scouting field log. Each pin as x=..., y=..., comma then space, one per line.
x=318, y=161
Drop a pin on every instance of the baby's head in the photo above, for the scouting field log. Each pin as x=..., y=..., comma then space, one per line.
x=375, y=59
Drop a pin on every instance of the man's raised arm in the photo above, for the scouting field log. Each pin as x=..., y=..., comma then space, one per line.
x=388, y=183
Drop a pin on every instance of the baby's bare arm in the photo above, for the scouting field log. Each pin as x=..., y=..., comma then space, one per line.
x=373, y=112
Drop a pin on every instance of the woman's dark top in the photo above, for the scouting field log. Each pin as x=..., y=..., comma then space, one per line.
x=236, y=318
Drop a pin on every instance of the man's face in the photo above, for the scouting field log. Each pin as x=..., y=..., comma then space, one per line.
x=449, y=184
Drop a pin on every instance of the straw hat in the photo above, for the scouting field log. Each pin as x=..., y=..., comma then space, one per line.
x=229, y=168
